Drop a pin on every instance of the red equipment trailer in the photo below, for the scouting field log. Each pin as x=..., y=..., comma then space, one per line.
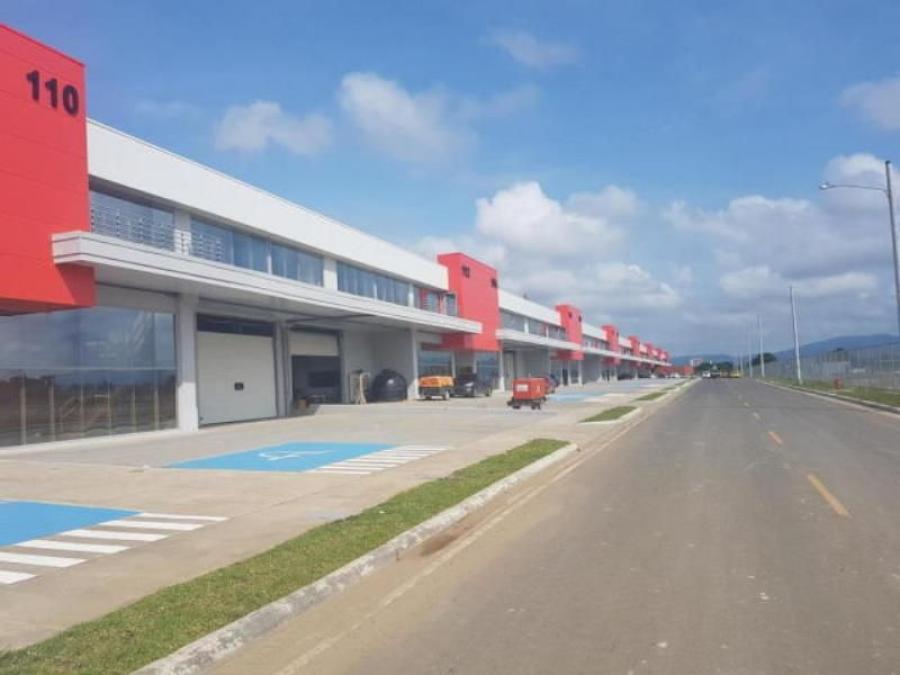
x=528, y=391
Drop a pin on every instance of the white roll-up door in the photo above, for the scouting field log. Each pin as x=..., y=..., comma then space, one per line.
x=309, y=343
x=235, y=377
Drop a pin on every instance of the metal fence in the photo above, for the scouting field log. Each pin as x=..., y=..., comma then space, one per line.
x=877, y=367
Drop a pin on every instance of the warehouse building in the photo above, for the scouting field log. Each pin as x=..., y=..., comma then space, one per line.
x=143, y=291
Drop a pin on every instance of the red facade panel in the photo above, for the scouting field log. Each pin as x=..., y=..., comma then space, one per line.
x=612, y=337
x=570, y=319
x=43, y=175
x=477, y=297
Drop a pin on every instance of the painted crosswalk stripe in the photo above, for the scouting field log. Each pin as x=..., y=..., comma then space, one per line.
x=39, y=560
x=368, y=462
x=113, y=535
x=181, y=516
x=343, y=472
x=151, y=525
x=50, y=545
x=7, y=577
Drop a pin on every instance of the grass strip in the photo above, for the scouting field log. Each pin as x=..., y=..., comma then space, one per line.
x=611, y=414
x=161, y=623
x=652, y=396
x=873, y=394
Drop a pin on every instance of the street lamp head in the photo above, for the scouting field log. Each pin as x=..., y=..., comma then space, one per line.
x=825, y=186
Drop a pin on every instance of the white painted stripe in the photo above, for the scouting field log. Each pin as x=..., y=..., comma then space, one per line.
x=428, y=448
x=371, y=462
x=349, y=468
x=39, y=560
x=179, y=516
x=7, y=577
x=151, y=525
x=110, y=534
x=405, y=455
x=344, y=472
x=412, y=451
x=51, y=545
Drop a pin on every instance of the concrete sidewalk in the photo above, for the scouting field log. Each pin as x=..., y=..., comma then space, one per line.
x=259, y=509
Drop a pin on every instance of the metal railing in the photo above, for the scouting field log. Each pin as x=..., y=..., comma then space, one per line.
x=872, y=367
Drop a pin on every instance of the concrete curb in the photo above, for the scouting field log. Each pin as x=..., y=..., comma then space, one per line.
x=837, y=397
x=228, y=639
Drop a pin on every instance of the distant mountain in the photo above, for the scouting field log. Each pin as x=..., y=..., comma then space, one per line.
x=715, y=358
x=842, y=342
x=811, y=349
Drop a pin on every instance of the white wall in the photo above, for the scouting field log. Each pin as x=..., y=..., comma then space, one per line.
x=122, y=159
x=519, y=305
x=224, y=359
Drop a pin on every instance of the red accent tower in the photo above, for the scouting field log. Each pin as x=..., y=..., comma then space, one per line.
x=477, y=298
x=570, y=318
x=43, y=175
x=612, y=338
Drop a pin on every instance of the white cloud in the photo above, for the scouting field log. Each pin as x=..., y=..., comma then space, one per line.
x=524, y=218
x=530, y=51
x=253, y=127
x=426, y=127
x=501, y=104
x=610, y=202
x=557, y=251
x=878, y=102
x=166, y=110
x=760, y=281
x=406, y=126
x=628, y=288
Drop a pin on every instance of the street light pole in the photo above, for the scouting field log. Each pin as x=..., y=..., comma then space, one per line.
x=890, y=197
x=888, y=192
x=762, y=361
x=750, y=351
x=796, y=338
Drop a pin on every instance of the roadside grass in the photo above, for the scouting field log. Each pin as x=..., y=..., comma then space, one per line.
x=652, y=396
x=874, y=394
x=165, y=621
x=611, y=414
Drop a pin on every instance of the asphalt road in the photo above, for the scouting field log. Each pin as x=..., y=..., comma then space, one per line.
x=740, y=529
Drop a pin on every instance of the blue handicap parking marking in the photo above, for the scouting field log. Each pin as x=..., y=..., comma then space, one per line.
x=22, y=521
x=285, y=457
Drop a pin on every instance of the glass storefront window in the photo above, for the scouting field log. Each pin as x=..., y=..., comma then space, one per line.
x=355, y=280
x=85, y=372
x=250, y=252
x=290, y=263
x=487, y=364
x=512, y=321
x=126, y=219
x=435, y=362
x=212, y=242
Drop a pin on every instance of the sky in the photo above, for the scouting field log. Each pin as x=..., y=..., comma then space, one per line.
x=655, y=163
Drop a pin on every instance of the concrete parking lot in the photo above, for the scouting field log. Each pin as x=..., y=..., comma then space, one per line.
x=89, y=526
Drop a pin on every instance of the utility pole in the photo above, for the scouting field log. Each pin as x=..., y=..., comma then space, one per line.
x=750, y=351
x=796, y=338
x=890, y=197
x=762, y=361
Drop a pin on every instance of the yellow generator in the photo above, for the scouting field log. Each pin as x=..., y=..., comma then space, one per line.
x=435, y=386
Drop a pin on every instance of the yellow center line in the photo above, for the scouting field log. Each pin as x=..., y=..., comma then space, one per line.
x=775, y=437
x=832, y=501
